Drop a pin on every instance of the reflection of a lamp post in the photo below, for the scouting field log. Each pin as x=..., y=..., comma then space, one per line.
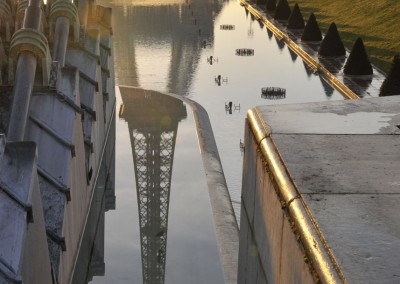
x=250, y=32
x=153, y=120
x=219, y=80
x=211, y=60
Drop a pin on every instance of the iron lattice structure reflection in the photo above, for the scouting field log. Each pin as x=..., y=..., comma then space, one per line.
x=153, y=158
x=153, y=120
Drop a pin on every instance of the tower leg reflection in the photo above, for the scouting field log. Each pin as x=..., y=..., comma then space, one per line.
x=153, y=120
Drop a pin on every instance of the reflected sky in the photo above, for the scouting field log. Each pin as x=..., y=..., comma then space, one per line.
x=160, y=46
x=162, y=229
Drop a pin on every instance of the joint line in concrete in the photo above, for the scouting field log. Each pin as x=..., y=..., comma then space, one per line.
x=10, y=275
x=53, y=133
x=89, y=144
x=89, y=80
x=14, y=197
x=106, y=48
x=89, y=110
x=63, y=98
x=58, y=184
x=57, y=239
x=84, y=49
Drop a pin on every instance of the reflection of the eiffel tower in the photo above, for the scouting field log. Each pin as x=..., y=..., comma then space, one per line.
x=153, y=120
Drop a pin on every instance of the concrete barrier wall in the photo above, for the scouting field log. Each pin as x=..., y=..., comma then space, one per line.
x=22, y=230
x=70, y=126
x=269, y=249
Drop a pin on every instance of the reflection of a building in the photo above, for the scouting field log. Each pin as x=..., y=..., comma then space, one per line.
x=178, y=27
x=90, y=261
x=153, y=120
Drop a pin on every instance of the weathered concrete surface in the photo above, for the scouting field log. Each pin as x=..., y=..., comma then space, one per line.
x=22, y=229
x=269, y=250
x=343, y=159
x=64, y=217
x=224, y=216
x=371, y=116
x=70, y=150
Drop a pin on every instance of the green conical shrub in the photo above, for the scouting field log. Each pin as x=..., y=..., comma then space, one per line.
x=282, y=10
x=332, y=44
x=296, y=20
x=391, y=85
x=271, y=5
x=358, y=62
x=312, y=31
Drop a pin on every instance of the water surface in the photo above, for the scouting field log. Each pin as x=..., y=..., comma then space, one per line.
x=167, y=47
x=162, y=226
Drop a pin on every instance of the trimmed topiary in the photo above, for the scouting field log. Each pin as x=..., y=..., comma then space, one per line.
x=282, y=10
x=296, y=20
x=358, y=62
x=312, y=31
x=391, y=85
x=281, y=43
x=271, y=5
x=293, y=55
x=332, y=44
x=327, y=88
x=270, y=33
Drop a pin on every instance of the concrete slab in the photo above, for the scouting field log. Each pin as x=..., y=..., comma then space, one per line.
x=363, y=230
x=366, y=116
x=22, y=232
x=343, y=158
x=339, y=164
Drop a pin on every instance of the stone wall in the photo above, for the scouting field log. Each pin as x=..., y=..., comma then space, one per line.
x=269, y=251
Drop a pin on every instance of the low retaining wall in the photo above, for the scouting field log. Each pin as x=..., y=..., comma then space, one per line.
x=278, y=242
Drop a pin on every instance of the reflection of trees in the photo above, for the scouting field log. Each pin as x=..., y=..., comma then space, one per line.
x=293, y=55
x=327, y=87
x=280, y=42
x=361, y=83
x=153, y=120
x=179, y=27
